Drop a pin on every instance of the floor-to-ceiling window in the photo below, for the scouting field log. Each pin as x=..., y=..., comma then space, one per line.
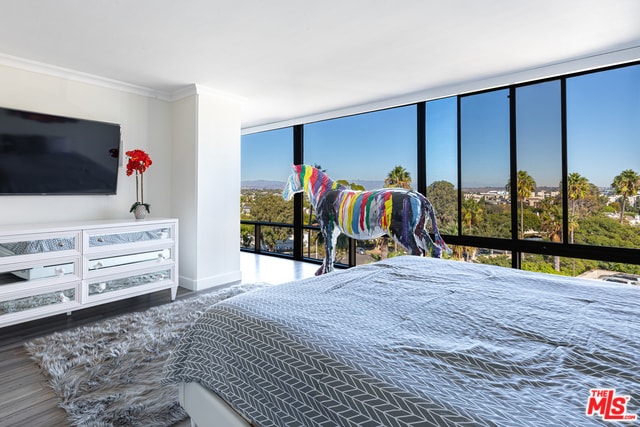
x=266, y=159
x=366, y=151
x=603, y=165
x=485, y=164
x=541, y=175
x=538, y=178
x=442, y=161
x=603, y=157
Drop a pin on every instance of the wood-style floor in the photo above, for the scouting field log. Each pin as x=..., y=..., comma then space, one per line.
x=25, y=397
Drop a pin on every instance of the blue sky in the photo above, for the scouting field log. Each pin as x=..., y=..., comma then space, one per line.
x=603, y=124
x=539, y=132
x=603, y=136
x=267, y=155
x=366, y=146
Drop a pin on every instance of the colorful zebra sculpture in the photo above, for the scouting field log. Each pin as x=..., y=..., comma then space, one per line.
x=397, y=212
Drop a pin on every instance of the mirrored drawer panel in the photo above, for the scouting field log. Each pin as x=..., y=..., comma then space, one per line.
x=157, y=234
x=9, y=275
x=39, y=300
x=128, y=259
x=37, y=246
x=105, y=286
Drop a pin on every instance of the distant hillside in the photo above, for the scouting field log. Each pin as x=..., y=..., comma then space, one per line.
x=261, y=184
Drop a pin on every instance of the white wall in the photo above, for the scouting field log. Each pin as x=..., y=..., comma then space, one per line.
x=206, y=188
x=145, y=124
x=218, y=189
x=184, y=155
x=194, y=143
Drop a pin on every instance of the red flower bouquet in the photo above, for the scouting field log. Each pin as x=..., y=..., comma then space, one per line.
x=138, y=162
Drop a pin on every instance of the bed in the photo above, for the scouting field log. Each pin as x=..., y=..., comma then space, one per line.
x=413, y=341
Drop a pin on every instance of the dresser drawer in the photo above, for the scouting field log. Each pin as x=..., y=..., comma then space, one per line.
x=108, y=286
x=102, y=265
x=21, y=305
x=130, y=237
x=37, y=246
x=36, y=273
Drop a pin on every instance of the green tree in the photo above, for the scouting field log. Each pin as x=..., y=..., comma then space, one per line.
x=471, y=214
x=271, y=207
x=444, y=198
x=600, y=230
x=626, y=184
x=551, y=224
x=493, y=222
x=398, y=178
x=525, y=186
x=577, y=190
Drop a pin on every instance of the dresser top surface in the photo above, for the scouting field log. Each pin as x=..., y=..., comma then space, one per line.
x=8, y=229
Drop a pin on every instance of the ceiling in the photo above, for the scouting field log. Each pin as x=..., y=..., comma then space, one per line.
x=293, y=58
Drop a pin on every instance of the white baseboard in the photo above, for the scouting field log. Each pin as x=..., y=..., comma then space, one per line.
x=211, y=281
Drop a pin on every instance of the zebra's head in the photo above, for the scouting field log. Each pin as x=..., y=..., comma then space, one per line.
x=293, y=185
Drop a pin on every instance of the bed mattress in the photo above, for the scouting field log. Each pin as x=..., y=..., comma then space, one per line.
x=417, y=341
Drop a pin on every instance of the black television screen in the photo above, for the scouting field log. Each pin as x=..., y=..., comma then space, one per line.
x=45, y=154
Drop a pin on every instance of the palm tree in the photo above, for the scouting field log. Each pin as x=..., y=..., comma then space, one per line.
x=526, y=185
x=471, y=216
x=471, y=213
x=578, y=187
x=398, y=178
x=551, y=224
x=626, y=184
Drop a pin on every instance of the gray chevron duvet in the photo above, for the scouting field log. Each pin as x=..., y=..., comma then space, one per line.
x=419, y=341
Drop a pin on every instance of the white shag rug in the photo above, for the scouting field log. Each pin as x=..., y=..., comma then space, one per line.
x=109, y=373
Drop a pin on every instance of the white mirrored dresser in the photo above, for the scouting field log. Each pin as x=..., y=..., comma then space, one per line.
x=49, y=269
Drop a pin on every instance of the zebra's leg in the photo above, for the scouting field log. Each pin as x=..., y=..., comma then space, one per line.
x=434, y=250
x=331, y=241
x=327, y=230
x=408, y=241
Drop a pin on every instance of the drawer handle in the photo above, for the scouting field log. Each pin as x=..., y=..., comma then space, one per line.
x=100, y=239
x=59, y=271
x=97, y=265
x=161, y=257
x=60, y=244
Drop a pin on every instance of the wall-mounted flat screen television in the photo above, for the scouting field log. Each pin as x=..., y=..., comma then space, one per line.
x=46, y=154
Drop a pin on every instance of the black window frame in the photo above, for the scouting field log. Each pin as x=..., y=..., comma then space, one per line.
x=516, y=246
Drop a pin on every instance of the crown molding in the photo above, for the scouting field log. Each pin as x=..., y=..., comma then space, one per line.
x=198, y=89
x=185, y=92
x=78, y=76
x=206, y=90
